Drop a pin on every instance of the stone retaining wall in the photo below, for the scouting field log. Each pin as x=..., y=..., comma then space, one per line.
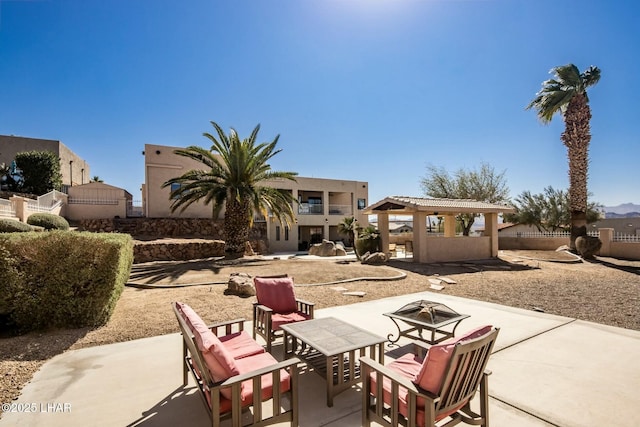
x=176, y=251
x=199, y=237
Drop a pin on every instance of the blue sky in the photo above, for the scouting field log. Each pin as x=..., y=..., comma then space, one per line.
x=371, y=90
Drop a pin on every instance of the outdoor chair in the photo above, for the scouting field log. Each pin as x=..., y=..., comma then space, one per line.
x=277, y=305
x=233, y=373
x=415, y=391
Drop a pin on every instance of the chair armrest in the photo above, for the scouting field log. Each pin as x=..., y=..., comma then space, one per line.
x=259, y=372
x=228, y=326
x=263, y=308
x=301, y=301
x=305, y=307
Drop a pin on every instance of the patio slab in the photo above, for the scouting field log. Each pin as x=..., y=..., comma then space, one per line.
x=547, y=370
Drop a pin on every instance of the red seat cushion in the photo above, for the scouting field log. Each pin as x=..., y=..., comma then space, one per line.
x=218, y=359
x=435, y=364
x=276, y=293
x=249, y=364
x=240, y=345
x=279, y=319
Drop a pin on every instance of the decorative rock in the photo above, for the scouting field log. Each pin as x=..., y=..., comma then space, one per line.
x=375, y=258
x=241, y=284
x=324, y=249
x=588, y=246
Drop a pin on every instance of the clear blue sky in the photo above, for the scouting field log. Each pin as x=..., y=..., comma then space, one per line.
x=371, y=90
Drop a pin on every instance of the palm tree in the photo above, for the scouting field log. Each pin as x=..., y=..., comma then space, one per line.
x=234, y=178
x=349, y=226
x=96, y=178
x=567, y=93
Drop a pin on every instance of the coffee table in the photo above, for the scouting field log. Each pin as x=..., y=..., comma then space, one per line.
x=333, y=348
x=428, y=315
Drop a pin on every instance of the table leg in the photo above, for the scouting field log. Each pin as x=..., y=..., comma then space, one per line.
x=329, y=363
x=392, y=341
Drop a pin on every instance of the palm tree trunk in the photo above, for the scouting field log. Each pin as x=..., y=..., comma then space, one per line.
x=237, y=221
x=576, y=137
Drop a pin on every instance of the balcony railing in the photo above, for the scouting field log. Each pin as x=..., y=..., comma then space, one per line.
x=340, y=210
x=310, y=209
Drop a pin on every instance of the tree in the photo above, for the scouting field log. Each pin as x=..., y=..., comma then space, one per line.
x=547, y=211
x=40, y=171
x=234, y=178
x=349, y=227
x=96, y=178
x=483, y=185
x=567, y=93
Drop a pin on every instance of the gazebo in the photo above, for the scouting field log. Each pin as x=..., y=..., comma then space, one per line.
x=441, y=249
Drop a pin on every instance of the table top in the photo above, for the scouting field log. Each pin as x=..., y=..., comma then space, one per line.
x=331, y=336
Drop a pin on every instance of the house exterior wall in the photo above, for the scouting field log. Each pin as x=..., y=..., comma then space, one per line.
x=75, y=171
x=322, y=203
x=96, y=200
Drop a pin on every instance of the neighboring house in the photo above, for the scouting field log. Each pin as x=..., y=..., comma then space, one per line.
x=399, y=228
x=629, y=225
x=75, y=171
x=322, y=203
x=97, y=200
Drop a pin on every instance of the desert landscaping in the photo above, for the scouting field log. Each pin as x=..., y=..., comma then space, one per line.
x=605, y=290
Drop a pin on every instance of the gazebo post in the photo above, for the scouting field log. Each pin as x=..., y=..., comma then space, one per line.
x=383, y=228
x=419, y=236
x=491, y=231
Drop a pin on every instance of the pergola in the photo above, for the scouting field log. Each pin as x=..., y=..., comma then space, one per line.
x=441, y=249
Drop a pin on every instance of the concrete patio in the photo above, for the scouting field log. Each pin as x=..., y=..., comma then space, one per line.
x=547, y=371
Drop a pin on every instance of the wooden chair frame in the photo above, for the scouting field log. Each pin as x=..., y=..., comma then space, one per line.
x=194, y=363
x=262, y=323
x=461, y=382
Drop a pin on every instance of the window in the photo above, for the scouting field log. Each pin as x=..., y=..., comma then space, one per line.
x=174, y=187
x=277, y=232
x=362, y=203
x=286, y=232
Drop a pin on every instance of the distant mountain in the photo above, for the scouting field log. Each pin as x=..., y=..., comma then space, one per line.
x=625, y=210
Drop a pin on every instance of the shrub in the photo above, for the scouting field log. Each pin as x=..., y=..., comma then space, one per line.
x=48, y=221
x=13, y=226
x=64, y=280
x=368, y=240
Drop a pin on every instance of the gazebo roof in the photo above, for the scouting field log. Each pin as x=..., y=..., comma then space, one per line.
x=406, y=205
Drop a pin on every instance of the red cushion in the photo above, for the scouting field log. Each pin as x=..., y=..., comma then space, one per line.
x=407, y=366
x=240, y=344
x=217, y=358
x=279, y=319
x=433, y=369
x=247, y=365
x=276, y=293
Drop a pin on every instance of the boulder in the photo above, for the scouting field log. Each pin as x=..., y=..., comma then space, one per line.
x=588, y=246
x=375, y=258
x=240, y=284
x=340, y=250
x=326, y=248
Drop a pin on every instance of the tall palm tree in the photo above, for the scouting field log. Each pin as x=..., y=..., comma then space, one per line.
x=567, y=93
x=234, y=178
x=349, y=226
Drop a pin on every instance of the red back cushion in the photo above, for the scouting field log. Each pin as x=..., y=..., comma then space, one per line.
x=276, y=293
x=432, y=373
x=218, y=359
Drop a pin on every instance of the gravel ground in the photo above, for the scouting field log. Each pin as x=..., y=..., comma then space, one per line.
x=605, y=291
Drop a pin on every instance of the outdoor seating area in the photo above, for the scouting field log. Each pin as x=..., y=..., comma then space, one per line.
x=534, y=359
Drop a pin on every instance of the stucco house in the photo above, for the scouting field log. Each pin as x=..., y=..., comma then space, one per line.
x=75, y=171
x=97, y=200
x=322, y=203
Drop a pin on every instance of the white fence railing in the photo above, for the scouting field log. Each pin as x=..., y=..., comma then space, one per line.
x=78, y=201
x=630, y=238
x=538, y=234
x=6, y=208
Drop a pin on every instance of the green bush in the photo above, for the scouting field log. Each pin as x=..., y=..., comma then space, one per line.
x=13, y=226
x=48, y=221
x=368, y=240
x=60, y=279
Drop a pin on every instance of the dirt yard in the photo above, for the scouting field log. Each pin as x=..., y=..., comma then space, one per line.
x=605, y=291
